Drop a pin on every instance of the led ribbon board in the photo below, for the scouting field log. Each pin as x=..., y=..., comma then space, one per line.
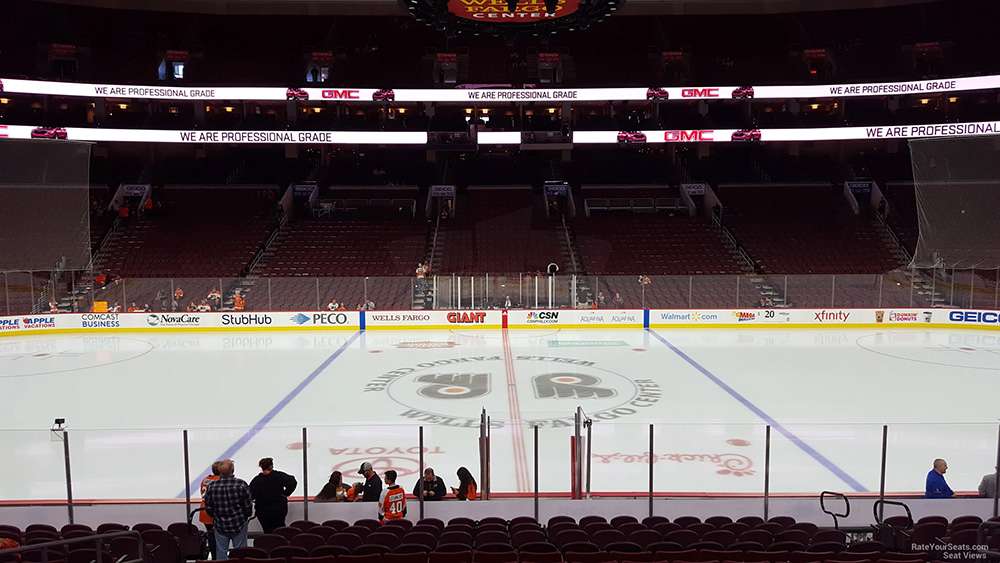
x=495, y=95
x=500, y=137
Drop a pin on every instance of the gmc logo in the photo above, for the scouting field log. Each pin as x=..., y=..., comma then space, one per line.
x=692, y=136
x=341, y=95
x=699, y=92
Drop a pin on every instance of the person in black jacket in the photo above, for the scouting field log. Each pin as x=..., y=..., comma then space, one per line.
x=373, y=484
x=271, y=490
x=434, y=488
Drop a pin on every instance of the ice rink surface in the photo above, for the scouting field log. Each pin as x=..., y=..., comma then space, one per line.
x=709, y=394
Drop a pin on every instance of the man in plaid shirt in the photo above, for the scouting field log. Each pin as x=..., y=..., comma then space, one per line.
x=229, y=503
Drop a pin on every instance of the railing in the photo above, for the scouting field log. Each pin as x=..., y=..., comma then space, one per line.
x=99, y=554
x=614, y=457
x=635, y=204
x=19, y=291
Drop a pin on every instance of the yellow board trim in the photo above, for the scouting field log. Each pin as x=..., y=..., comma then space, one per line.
x=827, y=326
x=498, y=327
x=458, y=326
x=172, y=329
x=571, y=326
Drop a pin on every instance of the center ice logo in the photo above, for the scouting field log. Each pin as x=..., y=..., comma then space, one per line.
x=453, y=391
x=570, y=385
x=454, y=385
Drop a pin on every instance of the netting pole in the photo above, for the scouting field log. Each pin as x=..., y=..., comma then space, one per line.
x=482, y=450
x=420, y=476
x=171, y=296
x=187, y=475
x=650, y=470
x=536, y=473
x=536, y=292
x=881, y=280
x=996, y=289
x=996, y=479
x=489, y=462
x=785, y=291
x=881, y=488
x=486, y=292
x=972, y=287
x=434, y=296
x=124, y=303
x=69, y=478
x=767, y=471
x=589, y=424
x=269, y=307
x=577, y=439
x=520, y=288
x=690, y=291
x=318, y=304
x=305, y=473
x=737, y=304
x=31, y=289
x=6, y=291
x=833, y=290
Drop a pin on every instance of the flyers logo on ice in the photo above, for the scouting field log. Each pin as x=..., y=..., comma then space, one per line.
x=453, y=391
x=454, y=385
x=569, y=385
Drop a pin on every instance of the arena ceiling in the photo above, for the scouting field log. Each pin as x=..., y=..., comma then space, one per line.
x=395, y=8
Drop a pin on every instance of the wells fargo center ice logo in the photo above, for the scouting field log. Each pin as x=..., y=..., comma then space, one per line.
x=453, y=391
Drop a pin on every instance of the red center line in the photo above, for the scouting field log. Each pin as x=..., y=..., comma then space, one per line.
x=516, y=423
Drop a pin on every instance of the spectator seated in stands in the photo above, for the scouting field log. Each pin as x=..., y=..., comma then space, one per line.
x=8, y=543
x=937, y=487
x=333, y=305
x=466, y=485
x=335, y=490
x=239, y=302
x=433, y=486
x=215, y=299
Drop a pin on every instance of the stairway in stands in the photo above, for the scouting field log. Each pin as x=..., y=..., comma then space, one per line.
x=499, y=231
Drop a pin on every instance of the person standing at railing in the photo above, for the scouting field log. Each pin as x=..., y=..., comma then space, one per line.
x=988, y=486
x=230, y=505
x=203, y=516
x=372, y=489
x=271, y=490
x=937, y=487
x=392, y=501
